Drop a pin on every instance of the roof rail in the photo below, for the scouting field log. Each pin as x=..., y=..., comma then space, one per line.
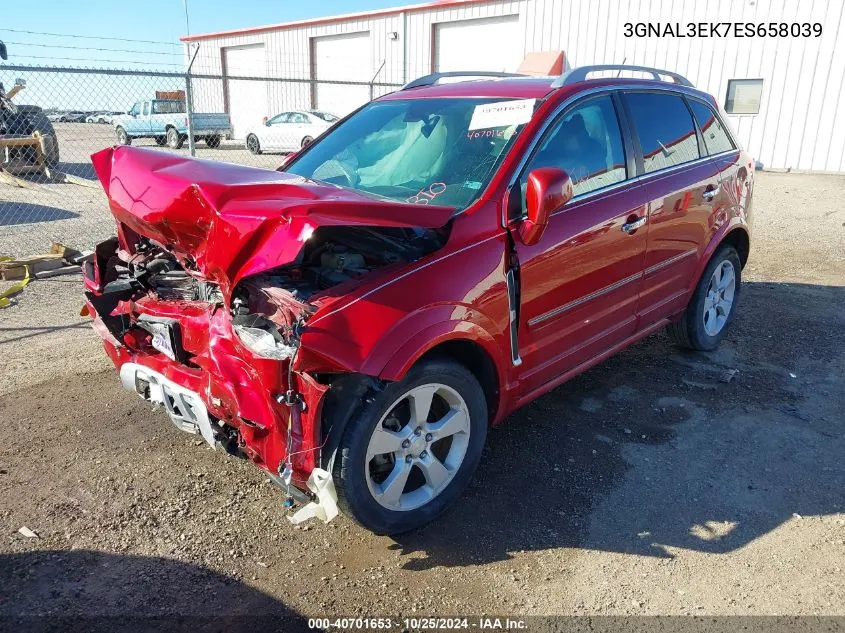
x=433, y=78
x=580, y=74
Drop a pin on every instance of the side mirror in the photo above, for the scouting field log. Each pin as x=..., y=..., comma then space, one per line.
x=286, y=161
x=548, y=190
x=4, y=54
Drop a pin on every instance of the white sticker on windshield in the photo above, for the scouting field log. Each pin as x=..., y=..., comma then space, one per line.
x=502, y=114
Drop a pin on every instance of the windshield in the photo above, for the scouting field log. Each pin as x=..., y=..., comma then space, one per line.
x=326, y=116
x=423, y=151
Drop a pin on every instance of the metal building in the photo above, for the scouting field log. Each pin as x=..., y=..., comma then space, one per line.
x=782, y=93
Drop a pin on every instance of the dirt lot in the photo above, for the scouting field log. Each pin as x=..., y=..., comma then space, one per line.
x=646, y=486
x=32, y=217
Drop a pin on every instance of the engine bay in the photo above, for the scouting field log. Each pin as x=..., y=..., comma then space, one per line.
x=335, y=255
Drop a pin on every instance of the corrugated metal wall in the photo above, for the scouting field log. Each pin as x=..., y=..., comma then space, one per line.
x=803, y=77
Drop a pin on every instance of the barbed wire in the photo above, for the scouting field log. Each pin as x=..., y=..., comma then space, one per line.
x=90, y=48
x=93, y=59
x=91, y=37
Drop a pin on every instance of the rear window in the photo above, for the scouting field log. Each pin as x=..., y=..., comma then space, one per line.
x=716, y=139
x=665, y=129
x=168, y=107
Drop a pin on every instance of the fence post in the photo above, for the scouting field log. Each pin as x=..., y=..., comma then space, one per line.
x=189, y=104
x=189, y=111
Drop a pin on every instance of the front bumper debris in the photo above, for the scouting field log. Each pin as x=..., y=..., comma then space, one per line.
x=185, y=407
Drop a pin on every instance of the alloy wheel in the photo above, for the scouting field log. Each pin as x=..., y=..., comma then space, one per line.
x=417, y=447
x=720, y=298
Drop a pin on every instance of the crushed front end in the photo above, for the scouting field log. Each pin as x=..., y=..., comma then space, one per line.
x=177, y=344
x=204, y=298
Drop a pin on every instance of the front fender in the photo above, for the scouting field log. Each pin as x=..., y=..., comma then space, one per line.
x=422, y=331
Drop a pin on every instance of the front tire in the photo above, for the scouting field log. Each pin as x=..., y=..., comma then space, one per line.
x=252, y=144
x=212, y=141
x=410, y=450
x=161, y=141
x=123, y=137
x=306, y=142
x=713, y=303
x=174, y=139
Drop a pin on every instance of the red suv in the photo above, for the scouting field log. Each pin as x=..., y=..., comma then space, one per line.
x=439, y=258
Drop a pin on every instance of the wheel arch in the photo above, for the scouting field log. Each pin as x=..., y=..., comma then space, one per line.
x=734, y=234
x=465, y=343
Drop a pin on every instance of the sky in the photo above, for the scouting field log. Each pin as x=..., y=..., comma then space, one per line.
x=140, y=35
x=158, y=21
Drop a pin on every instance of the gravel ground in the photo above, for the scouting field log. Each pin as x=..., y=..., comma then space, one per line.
x=32, y=217
x=647, y=485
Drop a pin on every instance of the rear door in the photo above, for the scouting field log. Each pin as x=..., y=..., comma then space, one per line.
x=276, y=131
x=684, y=190
x=578, y=286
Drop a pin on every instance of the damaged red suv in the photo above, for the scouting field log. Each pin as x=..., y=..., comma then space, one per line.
x=439, y=258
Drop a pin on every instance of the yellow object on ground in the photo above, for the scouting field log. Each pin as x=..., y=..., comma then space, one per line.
x=14, y=289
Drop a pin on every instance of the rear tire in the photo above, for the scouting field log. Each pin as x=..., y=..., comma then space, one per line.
x=306, y=142
x=212, y=141
x=122, y=137
x=712, y=305
x=161, y=141
x=174, y=139
x=384, y=444
x=252, y=144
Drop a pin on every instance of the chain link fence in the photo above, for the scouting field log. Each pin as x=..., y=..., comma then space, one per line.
x=58, y=116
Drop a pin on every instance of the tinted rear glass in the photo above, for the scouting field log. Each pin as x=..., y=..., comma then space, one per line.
x=665, y=129
x=716, y=140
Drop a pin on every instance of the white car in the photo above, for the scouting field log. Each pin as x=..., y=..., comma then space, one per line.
x=289, y=131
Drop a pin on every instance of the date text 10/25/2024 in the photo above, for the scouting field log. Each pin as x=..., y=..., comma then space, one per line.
x=482, y=623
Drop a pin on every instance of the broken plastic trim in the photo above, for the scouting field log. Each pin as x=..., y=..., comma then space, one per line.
x=325, y=507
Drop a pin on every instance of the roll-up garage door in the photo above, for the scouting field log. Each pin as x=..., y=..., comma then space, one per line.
x=483, y=44
x=247, y=97
x=345, y=57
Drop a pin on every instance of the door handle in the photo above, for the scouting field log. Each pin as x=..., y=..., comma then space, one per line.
x=710, y=193
x=630, y=227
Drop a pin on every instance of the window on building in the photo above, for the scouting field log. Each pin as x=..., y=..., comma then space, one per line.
x=744, y=96
x=665, y=129
x=587, y=144
x=716, y=139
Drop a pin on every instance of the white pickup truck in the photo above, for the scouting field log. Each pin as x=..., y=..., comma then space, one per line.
x=166, y=121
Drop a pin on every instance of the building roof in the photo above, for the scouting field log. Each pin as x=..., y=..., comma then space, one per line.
x=435, y=4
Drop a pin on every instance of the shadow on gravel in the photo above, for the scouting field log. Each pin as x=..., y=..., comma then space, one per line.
x=80, y=170
x=658, y=448
x=94, y=591
x=12, y=213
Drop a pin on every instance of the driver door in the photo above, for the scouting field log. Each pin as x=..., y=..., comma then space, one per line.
x=579, y=285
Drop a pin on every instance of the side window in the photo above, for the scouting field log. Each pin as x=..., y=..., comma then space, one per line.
x=716, y=139
x=136, y=109
x=146, y=107
x=587, y=143
x=664, y=126
x=284, y=117
x=298, y=117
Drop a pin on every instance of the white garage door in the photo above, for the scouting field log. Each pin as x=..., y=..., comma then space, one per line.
x=341, y=58
x=247, y=98
x=483, y=44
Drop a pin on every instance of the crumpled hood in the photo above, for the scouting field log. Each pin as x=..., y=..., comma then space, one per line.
x=230, y=221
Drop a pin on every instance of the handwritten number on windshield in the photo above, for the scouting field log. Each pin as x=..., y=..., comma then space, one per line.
x=424, y=196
